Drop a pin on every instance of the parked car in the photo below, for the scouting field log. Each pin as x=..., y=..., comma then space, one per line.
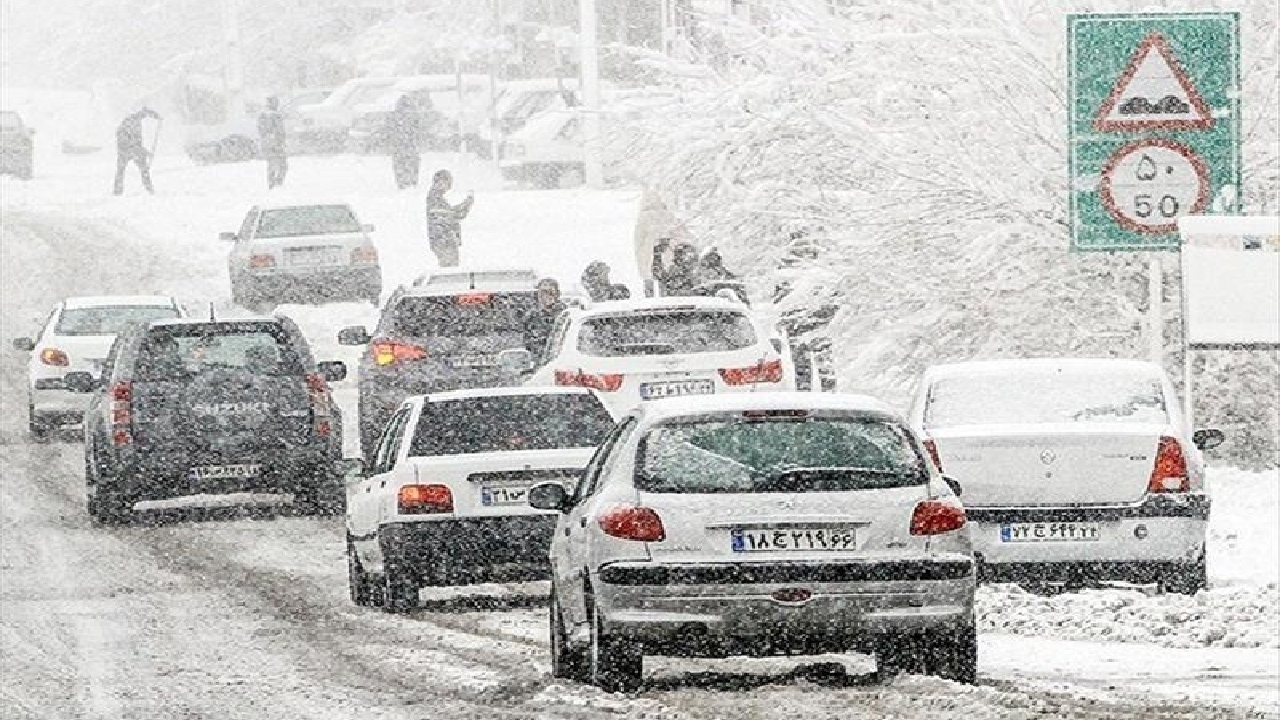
x=759, y=524
x=519, y=100
x=76, y=337
x=651, y=348
x=446, y=115
x=17, y=146
x=446, y=497
x=1074, y=470
x=188, y=407
x=302, y=253
x=445, y=332
x=323, y=126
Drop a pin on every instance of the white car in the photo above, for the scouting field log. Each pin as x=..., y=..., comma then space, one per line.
x=302, y=253
x=1074, y=470
x=76, y=337
x=445, y=500
x=770, y=524
x=645, y=349
x=323, y=126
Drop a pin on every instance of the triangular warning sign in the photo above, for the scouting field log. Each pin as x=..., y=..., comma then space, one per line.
x=1153, y=93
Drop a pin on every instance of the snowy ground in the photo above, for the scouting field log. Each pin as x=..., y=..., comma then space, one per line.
x=233, y=618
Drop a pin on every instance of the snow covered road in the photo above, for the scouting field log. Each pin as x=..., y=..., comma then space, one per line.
x=245, y=619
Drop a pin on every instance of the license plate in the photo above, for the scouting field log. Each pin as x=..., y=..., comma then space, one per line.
x=473, y=360
x=225, y=472
x=675, y=388
x=1033, y=532
x=792, y=539
x=503, y=496
x=312, y=257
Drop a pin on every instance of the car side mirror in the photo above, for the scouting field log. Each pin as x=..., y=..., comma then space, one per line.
x=80, y=381
x=954, y=484
x=353, y=335
x=228, y=236
x=1208, y=438
x=333, y=370
x=367, y=228
x=24, y=344
x=549, y=496
x=516, y=361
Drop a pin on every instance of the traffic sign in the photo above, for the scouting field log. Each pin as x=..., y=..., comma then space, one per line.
x=1155, y=118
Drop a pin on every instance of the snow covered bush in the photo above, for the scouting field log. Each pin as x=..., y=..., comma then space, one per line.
x=922, y=148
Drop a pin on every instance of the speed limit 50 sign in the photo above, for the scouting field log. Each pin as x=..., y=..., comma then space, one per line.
x=1154, y=125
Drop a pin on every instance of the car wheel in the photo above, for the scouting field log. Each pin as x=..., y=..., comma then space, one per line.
x=1186, y=578
x=616, y=663
x=323, y=495
x=567, y=661
x=899, y=653
x=952, y=653
x=105, y=503
x=364, y=592
x=399, y=587
x=37, y=427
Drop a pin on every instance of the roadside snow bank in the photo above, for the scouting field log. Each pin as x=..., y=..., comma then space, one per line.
x=1244, y=527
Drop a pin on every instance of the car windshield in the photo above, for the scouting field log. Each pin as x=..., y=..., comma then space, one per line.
x=665, y=333
x=108, y=320
x=790, y=452
x=1051, y=395
x=307, y=220
x=510, y=422
x=464, y=315
x=179, y=352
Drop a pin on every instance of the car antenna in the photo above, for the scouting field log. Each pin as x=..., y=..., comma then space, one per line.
x=212, y=318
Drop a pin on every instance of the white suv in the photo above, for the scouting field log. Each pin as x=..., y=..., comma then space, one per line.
x=651, y=348
x=1074, y=471
x=76, y=337
x=780, y=523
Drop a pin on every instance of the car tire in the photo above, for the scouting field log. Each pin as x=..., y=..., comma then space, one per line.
x=1186, y=578
x=38, y=428
x=899, y=653
x=323, y=496
x=952, y=653
x=399, y=587
x=364, y=591
x=106, y=504
x=567, y=662
x=616, y=663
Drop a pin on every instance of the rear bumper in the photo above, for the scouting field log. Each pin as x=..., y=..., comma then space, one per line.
x=458, y=551
x=347, y=281
x=163, y=475
x=722, y=609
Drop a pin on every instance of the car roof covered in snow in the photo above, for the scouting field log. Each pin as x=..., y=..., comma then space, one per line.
x=475, y=278
x=296, y=205
x=1016, y=366
x=97, y=301
x=171, y=322
x=470, y=393
x=615, y=307
x=656, y=410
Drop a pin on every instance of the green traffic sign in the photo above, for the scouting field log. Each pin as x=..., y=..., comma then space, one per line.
x=1155, y=125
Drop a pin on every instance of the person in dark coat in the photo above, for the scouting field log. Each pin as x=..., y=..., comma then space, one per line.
x=130, y=148
x=444, y=220
x=682, y=276
x=598, y=286
x=271, y=141
x=404, y=125
x=538, y=324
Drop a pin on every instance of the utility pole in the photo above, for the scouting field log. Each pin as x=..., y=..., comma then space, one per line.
x=589, y=64
x=233, y=69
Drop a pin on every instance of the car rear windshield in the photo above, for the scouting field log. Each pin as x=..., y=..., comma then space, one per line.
x=308, y=220
x=1051, y=395
x=468, y=314
x=778, y=454
x=510, y=422
x=666, y=333
x=108, y=320
x=180, y=352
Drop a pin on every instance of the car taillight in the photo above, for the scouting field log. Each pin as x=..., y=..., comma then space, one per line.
x=424, y=499
x=765, y=372
x=54, y=356
x=1170, y=471
x=321, y=411
x=931, y=447
x=933, y=517
x=261, y=261
x=632, y=523
x=475, y=298
x=387, y=352
x=607, y=382
x=122, y=412
x=365, y=255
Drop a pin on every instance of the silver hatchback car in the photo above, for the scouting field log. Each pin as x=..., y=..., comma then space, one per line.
x=759, y=524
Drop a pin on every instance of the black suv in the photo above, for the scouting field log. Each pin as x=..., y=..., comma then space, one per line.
x=186, y=407
x=445, y=332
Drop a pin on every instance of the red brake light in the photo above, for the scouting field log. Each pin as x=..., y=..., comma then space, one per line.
x=318, y=393
x=633, y=523
x=365, y=255
x=424, y=499
x=54, y=356
x=476, y=298
x=121, y=410
x=1170, y=471
x=608, y=382
x=932, y=448
x=933, y=517
x=261, y=261
x=765, y=372
x=386, y=352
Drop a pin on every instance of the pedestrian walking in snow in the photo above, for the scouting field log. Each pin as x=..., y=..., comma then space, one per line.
x=444, y=220
x=404, y=125
x=683, y=275
x=271, y=141
x=130, y=148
